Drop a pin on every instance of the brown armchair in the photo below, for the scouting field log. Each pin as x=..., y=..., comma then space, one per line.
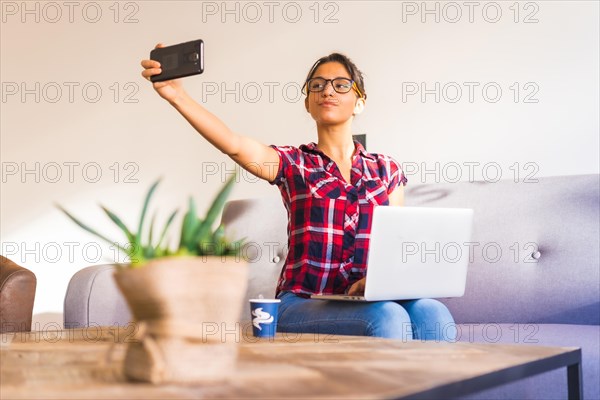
x=17, y=292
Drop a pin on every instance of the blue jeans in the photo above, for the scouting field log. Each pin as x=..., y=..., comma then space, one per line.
x=423, y=319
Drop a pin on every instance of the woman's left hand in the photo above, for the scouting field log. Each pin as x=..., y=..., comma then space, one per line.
x=358, y=288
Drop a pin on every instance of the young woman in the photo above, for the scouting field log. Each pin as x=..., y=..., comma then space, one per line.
x=329, y=189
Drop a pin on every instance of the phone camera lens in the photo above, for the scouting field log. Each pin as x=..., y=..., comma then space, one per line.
x=193, y=57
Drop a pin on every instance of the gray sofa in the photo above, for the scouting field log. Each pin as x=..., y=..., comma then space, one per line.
x=534, y=277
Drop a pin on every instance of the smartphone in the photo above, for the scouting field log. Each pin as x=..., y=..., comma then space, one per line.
x=178, y=61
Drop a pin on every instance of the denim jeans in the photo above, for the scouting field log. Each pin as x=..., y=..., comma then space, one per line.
x=422, y=319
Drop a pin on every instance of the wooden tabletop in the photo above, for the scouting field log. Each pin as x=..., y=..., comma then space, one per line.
x=86, y=364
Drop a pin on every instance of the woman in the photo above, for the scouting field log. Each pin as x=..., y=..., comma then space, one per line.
x=329, y=189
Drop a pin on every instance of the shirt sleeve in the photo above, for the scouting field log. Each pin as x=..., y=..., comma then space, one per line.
x=286, y=156
x=396, y=176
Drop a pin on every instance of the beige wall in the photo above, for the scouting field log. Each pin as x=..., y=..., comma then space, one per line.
x=129, y=129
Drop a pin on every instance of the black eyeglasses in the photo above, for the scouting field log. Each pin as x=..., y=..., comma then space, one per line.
x=340, y=85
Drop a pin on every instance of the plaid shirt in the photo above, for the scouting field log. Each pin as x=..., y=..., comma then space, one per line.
x=329, y=220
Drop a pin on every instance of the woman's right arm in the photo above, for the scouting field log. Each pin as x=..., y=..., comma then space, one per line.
x=257, y=158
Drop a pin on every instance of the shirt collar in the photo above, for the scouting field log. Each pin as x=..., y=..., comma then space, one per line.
x=361, y=150
x=312, y=148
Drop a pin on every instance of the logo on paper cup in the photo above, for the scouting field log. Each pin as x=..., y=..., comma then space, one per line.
x=261, y=317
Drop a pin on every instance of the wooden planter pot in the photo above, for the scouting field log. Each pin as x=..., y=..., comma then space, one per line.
x=185, y=310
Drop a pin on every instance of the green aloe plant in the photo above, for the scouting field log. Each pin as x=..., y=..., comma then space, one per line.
x=197, y=234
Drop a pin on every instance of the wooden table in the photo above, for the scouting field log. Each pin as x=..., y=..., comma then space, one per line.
x=86, y=364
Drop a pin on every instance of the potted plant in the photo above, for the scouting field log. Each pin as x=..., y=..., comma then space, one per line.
x=187, y=301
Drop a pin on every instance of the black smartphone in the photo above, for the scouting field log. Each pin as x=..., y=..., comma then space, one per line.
x=177, y=61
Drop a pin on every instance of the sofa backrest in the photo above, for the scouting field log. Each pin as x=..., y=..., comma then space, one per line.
x=263, y=223
x=556, y=219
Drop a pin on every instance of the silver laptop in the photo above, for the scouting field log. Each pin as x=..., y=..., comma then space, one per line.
x=416, y=252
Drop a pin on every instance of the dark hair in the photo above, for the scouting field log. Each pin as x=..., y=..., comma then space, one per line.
x=352, y=69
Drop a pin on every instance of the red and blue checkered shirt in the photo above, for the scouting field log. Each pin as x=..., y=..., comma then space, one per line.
x=329, y=219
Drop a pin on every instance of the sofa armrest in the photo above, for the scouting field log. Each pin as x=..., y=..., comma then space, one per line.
x=93, y=299
x=17, y=293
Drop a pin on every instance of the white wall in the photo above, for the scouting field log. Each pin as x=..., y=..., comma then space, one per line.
x=554, y=57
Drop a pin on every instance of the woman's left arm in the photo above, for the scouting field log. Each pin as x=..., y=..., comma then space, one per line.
x=397, y=197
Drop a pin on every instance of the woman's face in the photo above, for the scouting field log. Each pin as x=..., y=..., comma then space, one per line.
x=329, y=107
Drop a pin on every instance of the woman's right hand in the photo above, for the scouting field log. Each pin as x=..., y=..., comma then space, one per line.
x=247, y=152
x=169, y=90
